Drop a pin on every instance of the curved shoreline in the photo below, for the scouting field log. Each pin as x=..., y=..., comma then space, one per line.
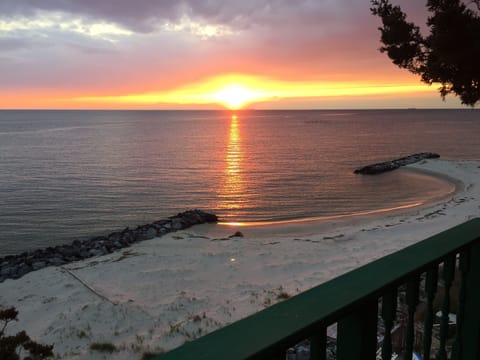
x=15, y=266
x=455, y=185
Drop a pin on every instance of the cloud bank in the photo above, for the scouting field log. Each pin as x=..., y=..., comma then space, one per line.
x=118, y=47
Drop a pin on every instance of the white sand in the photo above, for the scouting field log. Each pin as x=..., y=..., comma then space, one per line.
x=157, y=294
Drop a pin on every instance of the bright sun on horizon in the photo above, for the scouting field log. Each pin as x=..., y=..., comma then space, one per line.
x=235, y=96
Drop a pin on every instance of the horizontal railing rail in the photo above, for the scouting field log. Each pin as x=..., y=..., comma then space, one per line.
x=388, y=292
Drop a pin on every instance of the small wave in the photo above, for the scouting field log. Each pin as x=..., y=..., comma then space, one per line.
x=324, y=218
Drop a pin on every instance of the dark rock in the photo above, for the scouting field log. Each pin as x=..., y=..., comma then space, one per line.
x=156, y=226
x=127, y=237
x=39, y=265
x=151, y=232
x=22, y=270
x=237, y=234
x=6, y=271
x=38, y=253
x=394, y=164
x=162, y=231
x=95, y=252
x=161, y=222
x=115, y=236
x=15, y=266
x=141, y=236
x=123, y=242
x=84, y=254
x=177, y=224
x=101, y=239
x=56, y=261
x=67, y=251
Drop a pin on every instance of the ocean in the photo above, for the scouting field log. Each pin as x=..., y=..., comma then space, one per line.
x=69, y=175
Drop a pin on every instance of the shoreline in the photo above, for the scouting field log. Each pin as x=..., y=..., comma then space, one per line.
x=104, y=244
x=159, y=293
x=455, y=186
x=449, y=187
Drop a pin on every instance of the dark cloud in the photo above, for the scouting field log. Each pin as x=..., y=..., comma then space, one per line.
x=136, y=15
x=144, y=15
x=285, y=39
x=14, y=43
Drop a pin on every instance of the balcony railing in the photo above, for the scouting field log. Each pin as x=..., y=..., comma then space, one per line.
x=369, y=305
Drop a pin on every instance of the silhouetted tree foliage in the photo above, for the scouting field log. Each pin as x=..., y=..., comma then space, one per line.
x=449, y=55
x=11, y=346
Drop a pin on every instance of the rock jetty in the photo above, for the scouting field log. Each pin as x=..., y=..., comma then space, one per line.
x=395, y=164
x=15, y=266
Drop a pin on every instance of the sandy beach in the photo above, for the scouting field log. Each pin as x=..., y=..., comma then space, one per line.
x=157, y=294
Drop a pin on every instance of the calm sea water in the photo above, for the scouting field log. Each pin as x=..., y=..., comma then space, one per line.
x=69, y=175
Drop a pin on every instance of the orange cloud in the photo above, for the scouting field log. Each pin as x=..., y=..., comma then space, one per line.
x=238, y=90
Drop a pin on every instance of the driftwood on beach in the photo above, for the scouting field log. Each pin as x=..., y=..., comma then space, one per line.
x=15, y=266
x=394, y=164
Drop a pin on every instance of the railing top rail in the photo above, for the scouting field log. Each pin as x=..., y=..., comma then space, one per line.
x=300, y=316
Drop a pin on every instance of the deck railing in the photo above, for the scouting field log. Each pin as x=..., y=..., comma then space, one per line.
x=403, y=290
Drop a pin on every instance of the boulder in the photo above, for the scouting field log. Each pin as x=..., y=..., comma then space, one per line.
x=39, y=265
x=177, y=224
x=151, y=232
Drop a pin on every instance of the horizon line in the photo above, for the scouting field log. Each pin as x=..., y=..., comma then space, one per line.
x=245, y=110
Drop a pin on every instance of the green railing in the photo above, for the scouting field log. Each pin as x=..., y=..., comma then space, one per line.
x=399, y=291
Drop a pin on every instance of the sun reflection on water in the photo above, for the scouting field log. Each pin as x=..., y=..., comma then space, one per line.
x=234, y=156
x=233, y=185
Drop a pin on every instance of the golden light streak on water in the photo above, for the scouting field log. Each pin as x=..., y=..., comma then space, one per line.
x=231, y=193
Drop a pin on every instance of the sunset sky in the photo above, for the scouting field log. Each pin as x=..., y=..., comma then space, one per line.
x=202, y=54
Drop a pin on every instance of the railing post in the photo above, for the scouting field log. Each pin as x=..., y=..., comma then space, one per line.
x=457, y=351
x=448, y=276
x=470, y=331
x=431, y=285
x=389, y=313
x=412, y=302
x=357, y=333
x=318, y=345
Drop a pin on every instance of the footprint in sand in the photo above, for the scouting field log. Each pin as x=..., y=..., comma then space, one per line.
x=306, y=240
x=276, y=242
x=195, y=236
x=335, y=237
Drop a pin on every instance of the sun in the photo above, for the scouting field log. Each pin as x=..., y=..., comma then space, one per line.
x=235, y=96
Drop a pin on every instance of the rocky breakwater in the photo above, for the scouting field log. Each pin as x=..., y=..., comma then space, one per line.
x=394, y=164
x=15, y=266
